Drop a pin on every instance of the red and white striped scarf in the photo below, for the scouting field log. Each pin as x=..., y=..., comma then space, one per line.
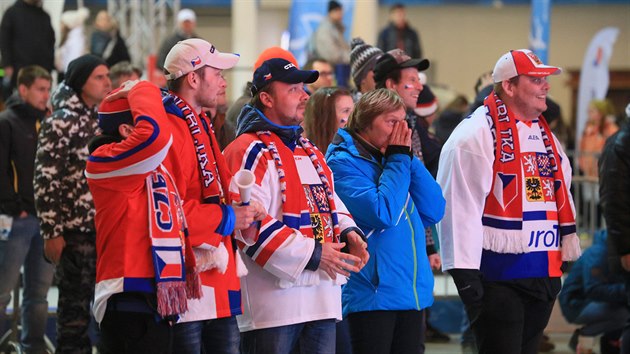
x=213, y=169
x=505, y=233
x=293, y=199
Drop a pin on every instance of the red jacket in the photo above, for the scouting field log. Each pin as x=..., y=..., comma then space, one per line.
x=116, y=175
x=221, y=292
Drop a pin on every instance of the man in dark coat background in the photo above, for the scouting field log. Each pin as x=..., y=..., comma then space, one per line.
x=26, y=38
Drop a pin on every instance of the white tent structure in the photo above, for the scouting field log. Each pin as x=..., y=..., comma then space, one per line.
x=143, y=24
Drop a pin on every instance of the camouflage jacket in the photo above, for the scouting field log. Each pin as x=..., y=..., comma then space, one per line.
x=62, y=198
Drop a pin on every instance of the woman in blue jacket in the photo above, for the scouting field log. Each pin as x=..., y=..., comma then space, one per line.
x=392, y=197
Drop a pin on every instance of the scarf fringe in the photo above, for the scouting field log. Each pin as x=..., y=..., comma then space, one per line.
x=193, y=284
x=212, y=258
x=570, y=247
x=171, y=298
x=241, y=269
x=504, y=241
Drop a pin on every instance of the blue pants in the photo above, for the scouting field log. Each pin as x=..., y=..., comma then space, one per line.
x=220, y=336
x=25, y=247
x=342, y=74
x=315, y=337
x=601, y=317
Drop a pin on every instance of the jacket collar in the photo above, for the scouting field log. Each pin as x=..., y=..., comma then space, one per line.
x=252, y=120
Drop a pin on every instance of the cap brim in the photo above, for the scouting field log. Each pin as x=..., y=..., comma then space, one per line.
x=543, y=71
x=224, y=61
x=420, y=64
x=297, y=76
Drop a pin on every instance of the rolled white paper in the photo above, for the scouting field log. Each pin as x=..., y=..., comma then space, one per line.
x=244, y=180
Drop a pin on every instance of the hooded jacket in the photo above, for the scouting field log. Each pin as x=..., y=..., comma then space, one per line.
x=62, y=196
x=18, y=143
x=392, y=200
x=590, y=280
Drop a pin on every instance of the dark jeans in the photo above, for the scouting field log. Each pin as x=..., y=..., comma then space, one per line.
x=220, y=336
x=25, y=247
x=383, y=332
x=601, y=317
x=134, y=332
x=342, y=74
x=315, y=337
x=508, y=321
x=77, y=277
x=343, y=344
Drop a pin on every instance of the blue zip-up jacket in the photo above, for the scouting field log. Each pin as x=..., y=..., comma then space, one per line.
x=391, y=200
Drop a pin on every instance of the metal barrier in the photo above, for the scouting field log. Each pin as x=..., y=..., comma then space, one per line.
x=585, y=191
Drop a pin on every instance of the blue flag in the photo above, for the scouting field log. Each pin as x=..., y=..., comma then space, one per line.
x=539, y=35
x=304, y=18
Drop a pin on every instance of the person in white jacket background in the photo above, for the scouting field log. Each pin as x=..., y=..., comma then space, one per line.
x=73, y=42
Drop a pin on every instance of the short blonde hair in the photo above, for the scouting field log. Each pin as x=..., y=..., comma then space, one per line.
x=372, y=105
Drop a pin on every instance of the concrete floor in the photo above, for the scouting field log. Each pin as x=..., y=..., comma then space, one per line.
x=453, y=347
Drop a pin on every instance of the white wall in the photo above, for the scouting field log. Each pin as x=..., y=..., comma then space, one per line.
x=462, y=41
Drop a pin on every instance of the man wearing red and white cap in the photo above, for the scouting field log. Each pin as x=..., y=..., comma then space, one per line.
x=194, y=70
x=510, y=223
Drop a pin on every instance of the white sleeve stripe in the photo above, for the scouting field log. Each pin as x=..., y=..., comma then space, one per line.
x=147, y=165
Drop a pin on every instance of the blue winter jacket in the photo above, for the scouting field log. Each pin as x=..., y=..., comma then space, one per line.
x=392, y=201
x=590, y=280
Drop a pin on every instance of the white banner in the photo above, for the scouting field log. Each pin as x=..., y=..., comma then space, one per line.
x=595, y=76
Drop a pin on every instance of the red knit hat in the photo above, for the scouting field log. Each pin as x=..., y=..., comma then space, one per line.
x=275, y=52
x=114, y=113
x=427, y=104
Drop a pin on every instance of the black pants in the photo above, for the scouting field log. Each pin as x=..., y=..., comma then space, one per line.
x=384, y=332
x=77, y=277
x=125, y=332
x=508, y=321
